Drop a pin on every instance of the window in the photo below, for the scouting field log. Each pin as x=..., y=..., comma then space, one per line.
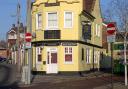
x=68, y=19
x=86, y=32
x=88, y=55
x=52, y=20
x=52, y=34
x=97, y=30
x=82, y=53
x=68, y=54
x=96, y=56
x=38, y=54
x=38, y=21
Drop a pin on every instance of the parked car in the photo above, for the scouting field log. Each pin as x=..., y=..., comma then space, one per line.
x=2, y=59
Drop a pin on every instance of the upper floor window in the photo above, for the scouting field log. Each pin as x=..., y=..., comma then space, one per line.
x=97, y=30
x=38, y=21
x=68, y=19
x=86, y=32
x=52, y=20
x=12, y=36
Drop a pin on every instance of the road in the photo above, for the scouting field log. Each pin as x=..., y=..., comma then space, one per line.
x=7, y=76
x=8, y=80
x=74, y=83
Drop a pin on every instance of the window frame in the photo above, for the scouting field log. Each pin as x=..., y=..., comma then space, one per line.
x=47, y=22
x=88, y=55
x=68, y=52
x=38, y=52
x=71, y=19
x=97, y=32
x=37, y=21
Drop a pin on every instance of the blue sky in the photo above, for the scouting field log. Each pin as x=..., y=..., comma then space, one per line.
x=7, y=15
x=8, y=10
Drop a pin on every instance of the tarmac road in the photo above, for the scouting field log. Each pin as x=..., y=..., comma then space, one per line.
x=7, y=76
x=75, y=83
x=8, y=80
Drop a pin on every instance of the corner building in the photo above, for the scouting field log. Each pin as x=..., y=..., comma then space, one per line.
x=67, y=36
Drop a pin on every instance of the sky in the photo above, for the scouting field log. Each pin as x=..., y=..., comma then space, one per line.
x=8, y=14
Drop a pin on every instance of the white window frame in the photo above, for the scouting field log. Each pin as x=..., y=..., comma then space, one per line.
x=95, y=57
x=66, y=62
x=65, y=19
x=51, y=27
x=38, y=27
x=38, y=52
x=88, y=55
x=97, y=30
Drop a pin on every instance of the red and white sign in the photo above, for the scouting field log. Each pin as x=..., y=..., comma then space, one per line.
x=28, y=45
x=111, y=29
x=111, y=32
x=28, y=37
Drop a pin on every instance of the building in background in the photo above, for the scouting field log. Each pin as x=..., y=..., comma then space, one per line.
x=68, y=35
x=3, y=51
x=13, y=40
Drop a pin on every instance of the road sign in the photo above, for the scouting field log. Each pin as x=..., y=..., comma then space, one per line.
x=28, y=37
x=111, y=38
x=111, y=30
x=28, y=45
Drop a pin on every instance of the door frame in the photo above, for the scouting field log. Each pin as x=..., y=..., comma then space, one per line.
x=50, y=66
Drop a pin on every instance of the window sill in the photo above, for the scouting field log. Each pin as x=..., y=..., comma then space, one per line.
x=52, y=28
x=68, y=63
x=38, y=29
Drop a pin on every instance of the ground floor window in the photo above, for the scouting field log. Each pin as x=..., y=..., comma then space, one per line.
x=38, y=54
x=88, y=55
x=96, y=56
x=68, y=55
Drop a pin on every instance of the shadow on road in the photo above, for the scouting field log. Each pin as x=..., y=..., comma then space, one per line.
x=7, y=77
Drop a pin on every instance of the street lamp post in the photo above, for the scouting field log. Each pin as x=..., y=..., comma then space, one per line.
x=18, y=35
x=29, y=50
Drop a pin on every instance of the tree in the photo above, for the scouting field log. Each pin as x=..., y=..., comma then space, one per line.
x=118, y=12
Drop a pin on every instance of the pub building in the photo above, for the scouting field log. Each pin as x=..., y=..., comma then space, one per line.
x=67, y=36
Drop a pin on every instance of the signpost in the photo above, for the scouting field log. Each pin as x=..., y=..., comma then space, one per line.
x=111, y=34
x=28, y=38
